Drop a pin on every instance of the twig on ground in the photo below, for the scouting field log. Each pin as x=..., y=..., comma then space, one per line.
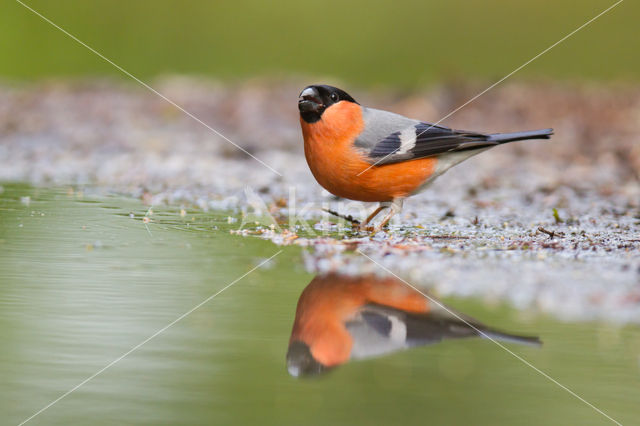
x=348, y=218
x=551, y=234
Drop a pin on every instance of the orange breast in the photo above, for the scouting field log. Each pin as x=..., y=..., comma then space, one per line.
x=329, y=301
x=336, y=163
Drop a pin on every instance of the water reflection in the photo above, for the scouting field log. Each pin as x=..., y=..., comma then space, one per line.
x=341, y=318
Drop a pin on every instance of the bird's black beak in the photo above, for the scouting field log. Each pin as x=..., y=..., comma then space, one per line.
x=309, y=101
x=300, y=361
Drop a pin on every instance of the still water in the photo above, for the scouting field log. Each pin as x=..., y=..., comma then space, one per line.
x=84, y=279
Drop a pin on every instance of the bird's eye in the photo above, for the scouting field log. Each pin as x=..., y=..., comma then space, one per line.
x=334, y=97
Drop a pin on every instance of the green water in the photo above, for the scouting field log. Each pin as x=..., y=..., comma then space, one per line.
x=398, y=44
x=82, y=282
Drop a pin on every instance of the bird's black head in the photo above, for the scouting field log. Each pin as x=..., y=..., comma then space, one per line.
x=300, y=361
x=314, y=100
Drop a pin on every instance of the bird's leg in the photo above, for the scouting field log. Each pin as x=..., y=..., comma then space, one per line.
x=363, y=225
x=373, y=215
x=394, y=207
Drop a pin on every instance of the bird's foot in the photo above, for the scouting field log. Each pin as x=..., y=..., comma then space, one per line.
x=363, y=227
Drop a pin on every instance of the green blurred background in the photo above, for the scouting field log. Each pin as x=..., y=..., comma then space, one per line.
x=400, y=44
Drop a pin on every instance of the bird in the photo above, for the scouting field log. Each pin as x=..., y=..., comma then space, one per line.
x=341, y=318
x=371, y=155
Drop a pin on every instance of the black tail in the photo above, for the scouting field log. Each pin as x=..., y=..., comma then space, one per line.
x=492, y=334
x=520, y=136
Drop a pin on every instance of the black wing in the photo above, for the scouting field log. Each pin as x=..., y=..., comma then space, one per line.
x=426, y=140
x=396, y=328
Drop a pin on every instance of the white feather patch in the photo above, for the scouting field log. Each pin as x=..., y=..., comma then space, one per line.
x=407, y=140
x=448, y=160
x=398, y=332
x=445, y=162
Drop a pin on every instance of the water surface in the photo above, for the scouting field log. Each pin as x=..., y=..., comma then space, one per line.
x=83, y=279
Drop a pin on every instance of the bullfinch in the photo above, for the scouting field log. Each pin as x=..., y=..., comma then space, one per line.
x=367, y=154
x=341, y=318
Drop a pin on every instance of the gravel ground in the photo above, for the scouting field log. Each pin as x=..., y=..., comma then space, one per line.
x=551, y=226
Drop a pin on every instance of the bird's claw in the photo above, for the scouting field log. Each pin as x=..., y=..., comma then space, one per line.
x=364, y=228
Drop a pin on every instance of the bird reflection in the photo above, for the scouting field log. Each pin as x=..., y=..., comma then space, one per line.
x=341, y=318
